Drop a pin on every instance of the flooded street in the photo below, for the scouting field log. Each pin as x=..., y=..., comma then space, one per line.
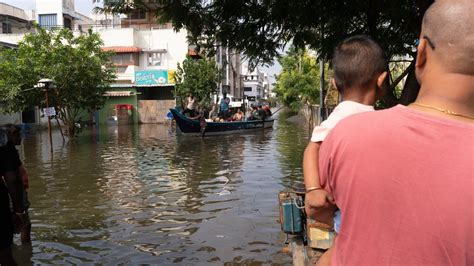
x=147, y=195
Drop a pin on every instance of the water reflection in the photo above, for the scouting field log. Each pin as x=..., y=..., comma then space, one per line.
x=147, y=195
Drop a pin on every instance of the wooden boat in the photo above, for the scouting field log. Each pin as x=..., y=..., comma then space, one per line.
x=189, y=126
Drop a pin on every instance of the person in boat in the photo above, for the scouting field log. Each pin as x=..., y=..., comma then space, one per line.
x=224, y=107
x=213, y=113
x=359, y=73
x=238, y=116
x=201, y=117
x=403, y=177
x=268, y=112
x=253, y=113
x=259, y=114
x=191, y=105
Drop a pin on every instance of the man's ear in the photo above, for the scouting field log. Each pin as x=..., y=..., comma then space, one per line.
x=381, y=79
x=421, y=54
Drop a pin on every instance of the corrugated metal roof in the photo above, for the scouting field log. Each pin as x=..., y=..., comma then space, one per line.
x=120, y=85
x=118, y=93
x=122, y=49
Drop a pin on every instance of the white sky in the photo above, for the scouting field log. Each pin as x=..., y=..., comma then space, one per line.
x=82, y=6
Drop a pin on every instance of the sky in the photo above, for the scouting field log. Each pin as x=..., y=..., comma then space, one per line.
x=82, y=6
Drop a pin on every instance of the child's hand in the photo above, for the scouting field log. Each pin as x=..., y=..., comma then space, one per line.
x=318, y=199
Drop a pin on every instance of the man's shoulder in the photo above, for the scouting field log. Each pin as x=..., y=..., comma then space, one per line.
x=362, y=118
x=368, y=123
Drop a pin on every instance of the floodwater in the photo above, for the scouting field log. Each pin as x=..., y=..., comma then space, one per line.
x=147, y=195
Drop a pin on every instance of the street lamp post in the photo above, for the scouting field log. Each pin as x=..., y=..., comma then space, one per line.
x=45, y=84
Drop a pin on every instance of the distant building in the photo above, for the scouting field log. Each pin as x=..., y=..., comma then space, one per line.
x=61, y=14
x=15, y=22
x=266, y=86
x=107, y=21
x=229, y=63
x=253, y=82
x=14, y=19
x=145, y=61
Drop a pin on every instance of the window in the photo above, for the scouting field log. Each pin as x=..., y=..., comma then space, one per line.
x=120, y=69
x=6, y=28
x=125, y=59
x=137, y=14
x=247, y=88
x=155, y=59
x=48, y=21
x=67, y=23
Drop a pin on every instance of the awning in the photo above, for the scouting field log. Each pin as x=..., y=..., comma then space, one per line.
x=118, y=93
x=154, y=85
x=122, y=49
x=119, y=85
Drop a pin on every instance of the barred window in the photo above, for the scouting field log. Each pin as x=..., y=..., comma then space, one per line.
x=6, y=28
x=48, y=21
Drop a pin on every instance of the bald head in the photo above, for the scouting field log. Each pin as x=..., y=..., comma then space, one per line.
x=449, y=26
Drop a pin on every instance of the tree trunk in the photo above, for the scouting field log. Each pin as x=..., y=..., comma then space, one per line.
x=311, y=117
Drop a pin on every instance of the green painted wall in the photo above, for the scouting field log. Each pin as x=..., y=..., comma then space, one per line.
x=108, y=109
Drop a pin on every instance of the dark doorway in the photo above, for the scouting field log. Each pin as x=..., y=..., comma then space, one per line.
x=28, y=116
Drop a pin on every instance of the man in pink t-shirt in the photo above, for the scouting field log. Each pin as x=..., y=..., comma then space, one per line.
x=404, y=177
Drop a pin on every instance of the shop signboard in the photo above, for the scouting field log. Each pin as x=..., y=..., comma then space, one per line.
x=171, y=77
x=151, y=77
x=50, y=111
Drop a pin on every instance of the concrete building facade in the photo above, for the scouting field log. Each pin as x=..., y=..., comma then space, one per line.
x=17, y=22
x=61, y=14
x=253, y=82
x=146, y=61
x=230, y=64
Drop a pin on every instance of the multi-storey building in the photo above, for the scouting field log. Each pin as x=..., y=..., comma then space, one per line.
x=253, y=82
x=266, y=86
x=229, y=63
x=60, y=14
x=146, y=54
x=145, y=61
x=14, y=19
x=15, y=22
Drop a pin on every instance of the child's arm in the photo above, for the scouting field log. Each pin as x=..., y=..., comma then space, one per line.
x=316, y=197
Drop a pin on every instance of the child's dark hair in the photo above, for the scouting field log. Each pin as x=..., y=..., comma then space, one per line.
x=356, y=62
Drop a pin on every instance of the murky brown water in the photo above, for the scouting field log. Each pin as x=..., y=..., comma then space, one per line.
x=145, y=195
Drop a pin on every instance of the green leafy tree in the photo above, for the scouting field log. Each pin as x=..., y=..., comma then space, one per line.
x=81, y=72
x=261, y=28
x=199, y=77
x=298, y=82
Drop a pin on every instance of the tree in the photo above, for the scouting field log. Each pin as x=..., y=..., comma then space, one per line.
x=199, y=77
x=261, y=28
x=298, y=82
x=81, y=72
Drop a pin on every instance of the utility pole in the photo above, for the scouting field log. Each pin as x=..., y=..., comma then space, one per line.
x=45, y=84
